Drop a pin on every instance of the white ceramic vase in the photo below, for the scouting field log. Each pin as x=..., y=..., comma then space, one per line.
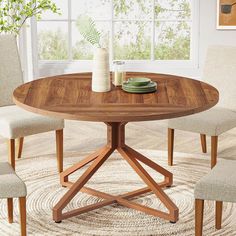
x=101, y=71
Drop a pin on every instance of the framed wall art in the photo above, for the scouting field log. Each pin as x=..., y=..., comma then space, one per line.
x=226, y=14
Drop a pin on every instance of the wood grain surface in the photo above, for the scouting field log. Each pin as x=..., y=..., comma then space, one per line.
x=70, y=97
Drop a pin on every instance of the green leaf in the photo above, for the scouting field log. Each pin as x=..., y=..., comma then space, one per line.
x=87, y=29
x=14, y=13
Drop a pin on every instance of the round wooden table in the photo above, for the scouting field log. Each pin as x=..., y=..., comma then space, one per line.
x=70, y=97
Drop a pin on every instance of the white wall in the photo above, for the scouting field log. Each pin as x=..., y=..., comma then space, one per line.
x=208, y=34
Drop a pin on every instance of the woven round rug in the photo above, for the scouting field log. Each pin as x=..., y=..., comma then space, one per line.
x=114, y=177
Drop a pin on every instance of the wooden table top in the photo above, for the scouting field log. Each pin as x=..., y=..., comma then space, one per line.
x=70, y=97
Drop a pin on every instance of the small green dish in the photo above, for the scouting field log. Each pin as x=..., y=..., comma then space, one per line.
x=128, y=85
x=140, y=91
x=139, y=81
x=149, y=88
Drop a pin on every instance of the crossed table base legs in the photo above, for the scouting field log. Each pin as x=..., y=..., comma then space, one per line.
x=116, y=140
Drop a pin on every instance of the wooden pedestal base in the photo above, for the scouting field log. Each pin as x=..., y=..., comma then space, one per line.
x=116, y=140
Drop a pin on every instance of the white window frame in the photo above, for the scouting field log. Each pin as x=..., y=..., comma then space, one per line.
x=131, y=65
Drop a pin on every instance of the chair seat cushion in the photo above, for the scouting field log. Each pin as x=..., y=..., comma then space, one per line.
x=219, y=184
x=212, y=122
x=16, y=122
x=10, y=184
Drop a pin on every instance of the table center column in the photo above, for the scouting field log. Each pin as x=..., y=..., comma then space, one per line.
x=115, y=134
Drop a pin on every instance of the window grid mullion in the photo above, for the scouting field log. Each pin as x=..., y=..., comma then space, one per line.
x=35, y=55
x=153, y=32
x=120, y=20
x=112, y=37
x=69, y=32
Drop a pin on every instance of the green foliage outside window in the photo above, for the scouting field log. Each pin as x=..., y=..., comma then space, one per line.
x=52, y=45
x=172, y=40
x=14, y=13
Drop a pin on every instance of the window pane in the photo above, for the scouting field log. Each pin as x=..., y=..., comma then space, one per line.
x=173, y=9
x=97, y=9
x=132, y=9
x=63, y=5
x=132, y=40
x=83, y=50
x=172, y=41
x=52, y=41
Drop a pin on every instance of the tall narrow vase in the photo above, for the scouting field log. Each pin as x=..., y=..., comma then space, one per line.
x=101, y=72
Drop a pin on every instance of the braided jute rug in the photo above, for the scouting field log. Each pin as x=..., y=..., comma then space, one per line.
x=115, y=177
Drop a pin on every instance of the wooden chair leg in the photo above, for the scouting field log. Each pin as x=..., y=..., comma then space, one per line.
x=10, y=209
x=214, y=145
x=20, y=142
x=203, y=142
x=59, y=145
x=199, y=209
x=11, y=151
x=219, y=206
x=171, y=133
x=22, y=203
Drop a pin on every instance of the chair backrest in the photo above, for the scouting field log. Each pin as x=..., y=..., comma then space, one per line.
x=220, y=71
x=10, y=69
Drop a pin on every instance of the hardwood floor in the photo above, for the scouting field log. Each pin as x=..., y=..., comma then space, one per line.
x=84, y=136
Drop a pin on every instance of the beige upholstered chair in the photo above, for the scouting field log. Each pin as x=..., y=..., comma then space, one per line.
x=11, y=186
x=219, y=186
x=16, y=123
x=219, y=71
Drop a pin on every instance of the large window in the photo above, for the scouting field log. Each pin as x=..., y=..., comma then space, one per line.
x=135, y=30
